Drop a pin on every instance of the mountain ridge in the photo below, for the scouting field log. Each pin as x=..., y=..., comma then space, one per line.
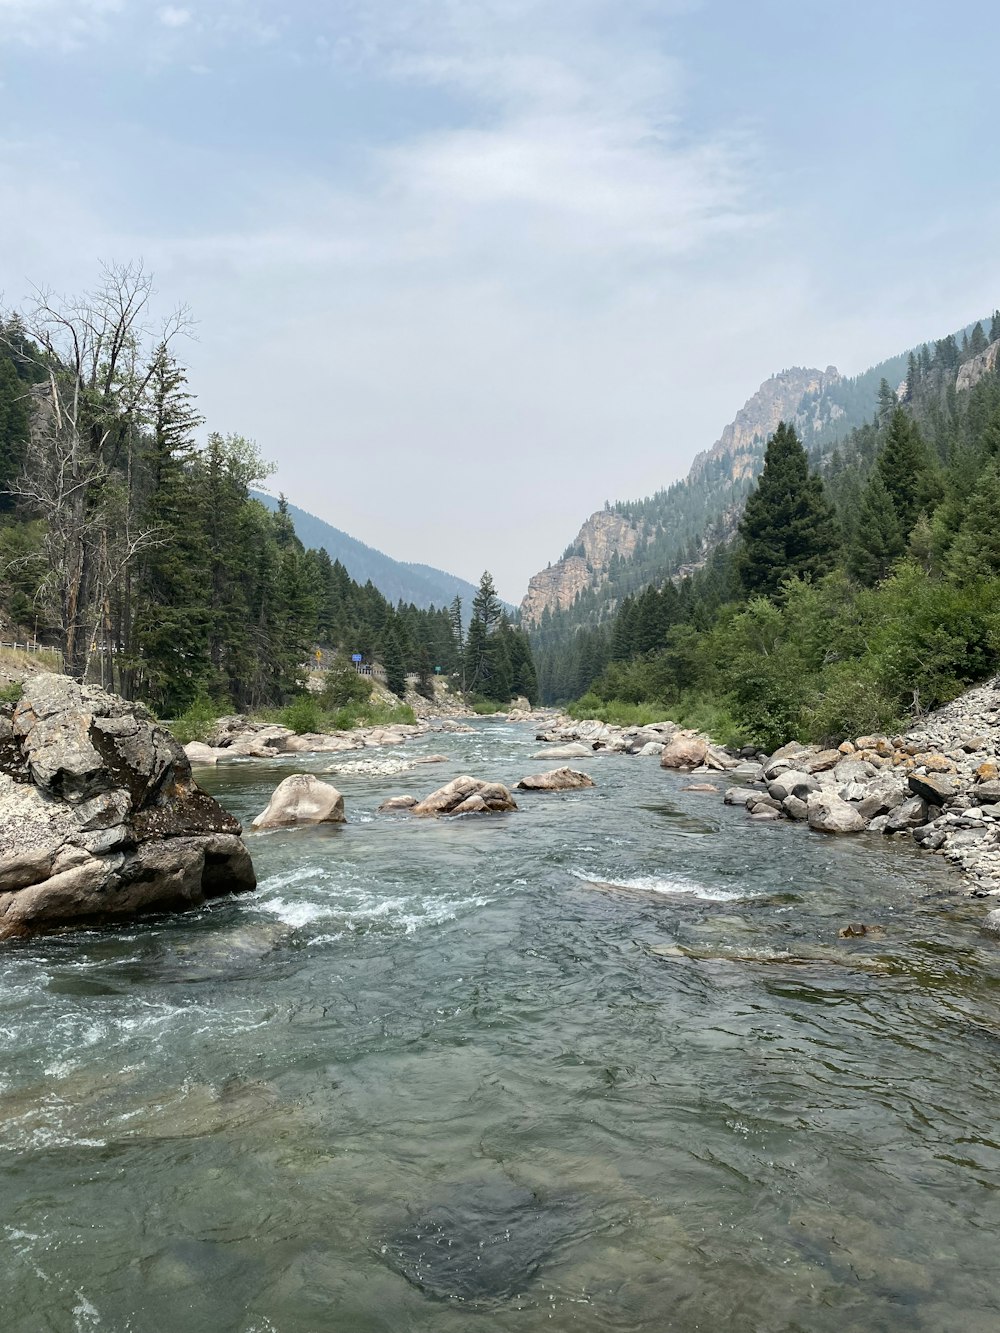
x=396, y=580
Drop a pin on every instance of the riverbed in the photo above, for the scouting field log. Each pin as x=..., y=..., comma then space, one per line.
x=600, y=1064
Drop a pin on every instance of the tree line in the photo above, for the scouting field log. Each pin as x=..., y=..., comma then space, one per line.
x=138, y=551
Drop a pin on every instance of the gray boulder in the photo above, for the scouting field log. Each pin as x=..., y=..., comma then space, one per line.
x=935, y=788
x=853, y=770
x=557, y=779
x=795, y=808
x=827, y=813
x=991, y=923
x=100, y=817
x=302, y=799
x=910, y=815
x=466, y=795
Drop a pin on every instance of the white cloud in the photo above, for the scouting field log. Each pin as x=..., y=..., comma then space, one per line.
x=172, y=17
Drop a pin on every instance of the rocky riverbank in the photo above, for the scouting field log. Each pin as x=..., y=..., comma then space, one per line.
x=937, y=784
x=240, y=737
x=100, y=817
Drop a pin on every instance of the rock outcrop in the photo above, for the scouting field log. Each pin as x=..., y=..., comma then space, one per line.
x=100, y=817
x=302, y=799
x=604, y=534
x=977, y=367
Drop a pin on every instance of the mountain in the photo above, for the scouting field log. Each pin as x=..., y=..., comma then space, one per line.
x=396, y=580
x=631, y=544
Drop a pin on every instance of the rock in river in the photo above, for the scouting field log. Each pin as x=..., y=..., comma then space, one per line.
x=99, y=815
x=827, y=813
x=465, y=796
x=558, y=779
x=684, y=752
x=302, y=799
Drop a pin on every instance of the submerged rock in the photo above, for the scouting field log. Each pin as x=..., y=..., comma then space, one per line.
x=574, y=750
x=100, y=817
x=481, y=1242
x=397, y=803
x=302, y=799
x=558, y=779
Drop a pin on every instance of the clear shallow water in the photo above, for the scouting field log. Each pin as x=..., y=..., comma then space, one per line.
x=601, y=1064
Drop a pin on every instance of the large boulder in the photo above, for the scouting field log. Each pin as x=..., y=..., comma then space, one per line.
x=464, y=796
x=302, y=798
x=557, y=779
x=100, y=817
x=827, y=813
x=684, y=752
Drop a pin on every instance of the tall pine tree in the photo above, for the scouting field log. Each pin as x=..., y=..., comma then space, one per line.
x=787, y=529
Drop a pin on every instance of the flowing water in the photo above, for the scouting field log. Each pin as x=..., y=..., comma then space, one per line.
x=600, y=1064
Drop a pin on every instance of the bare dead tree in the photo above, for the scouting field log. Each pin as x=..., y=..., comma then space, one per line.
x=97, y=354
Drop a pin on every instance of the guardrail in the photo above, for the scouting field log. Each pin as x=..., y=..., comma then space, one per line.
x=30, y=646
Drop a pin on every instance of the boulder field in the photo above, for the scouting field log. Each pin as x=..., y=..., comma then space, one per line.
x=100, y=817
x=240, y=737
x=937, y=784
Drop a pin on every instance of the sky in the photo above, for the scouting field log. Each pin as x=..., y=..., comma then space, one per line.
x=466, y=269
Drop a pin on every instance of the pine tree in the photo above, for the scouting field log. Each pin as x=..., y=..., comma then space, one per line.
x=787, y=529
x=995, y=326
x=975, y=552
x=392, y=661
x=904, y=467
x=977, y=342
x=878, y=538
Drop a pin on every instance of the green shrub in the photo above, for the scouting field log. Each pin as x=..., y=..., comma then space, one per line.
x=304, y=714
x=11, y=693
x=197, y=722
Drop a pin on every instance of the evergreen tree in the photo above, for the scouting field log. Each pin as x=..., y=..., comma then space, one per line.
x=975, y=552
x=392, y=661
x=878, y=538
x=904, y=467
x=13, y=427
x=977, y=341
x=787, y=529
x=995, y=326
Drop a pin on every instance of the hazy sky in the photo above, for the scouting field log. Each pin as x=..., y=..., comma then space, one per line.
x=467, y=268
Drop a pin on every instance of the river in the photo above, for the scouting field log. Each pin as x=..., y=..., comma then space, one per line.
x=600, y=1064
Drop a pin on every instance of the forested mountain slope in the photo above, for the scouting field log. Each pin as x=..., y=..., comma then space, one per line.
x=396, y=580
x=632, y=544
x=859, y=588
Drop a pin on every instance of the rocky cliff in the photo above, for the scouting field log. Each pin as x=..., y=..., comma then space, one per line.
x=973, y=370
x=781, y=398
x=735, y=457
x=604, y=534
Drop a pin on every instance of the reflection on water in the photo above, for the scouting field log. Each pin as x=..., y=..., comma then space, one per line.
x=604, y=1063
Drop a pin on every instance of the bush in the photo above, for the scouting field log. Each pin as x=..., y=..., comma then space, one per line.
x=11, y=693
x=343, y=685
x=197, y=722
x=304, y=714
